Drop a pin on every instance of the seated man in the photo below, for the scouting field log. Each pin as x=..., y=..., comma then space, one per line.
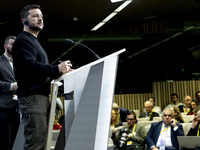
x=132, y=136
x=155, y=108
x=187, y=106
x=175, y=102
x=149, y=113
x=195, y=129
x=164, y=133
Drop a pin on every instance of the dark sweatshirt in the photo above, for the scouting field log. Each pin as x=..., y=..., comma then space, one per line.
x=31, y=66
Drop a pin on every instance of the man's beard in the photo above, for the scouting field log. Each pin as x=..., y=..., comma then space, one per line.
x=9, y=51
x=35, y=28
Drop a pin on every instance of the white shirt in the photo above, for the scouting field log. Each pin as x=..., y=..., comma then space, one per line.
x=166, y=135
x=10, y=60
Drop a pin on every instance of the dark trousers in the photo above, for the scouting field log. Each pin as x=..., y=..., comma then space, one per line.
x=9, y=124
x=34, y=111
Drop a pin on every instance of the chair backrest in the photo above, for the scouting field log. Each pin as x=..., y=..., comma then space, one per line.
x=184, y=113
x=146, y=123
x=157, y=118
x=137, y=111
x=188, y=118
x=143, y=119
x=187, y=127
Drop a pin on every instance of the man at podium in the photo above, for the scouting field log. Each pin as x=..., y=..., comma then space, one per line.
x=34, y=75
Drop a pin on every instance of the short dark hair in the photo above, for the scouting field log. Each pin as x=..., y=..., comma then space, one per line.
x=174, y=94
x=8, y=38
x=195, y=101
x=152, y=98
x=131, y=113
x=197, y=93
x=24, y=13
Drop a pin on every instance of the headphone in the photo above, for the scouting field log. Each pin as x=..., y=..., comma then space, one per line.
x=26, y=22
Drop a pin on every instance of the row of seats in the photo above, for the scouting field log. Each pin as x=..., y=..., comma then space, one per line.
x=187, y=118
x=147, y=124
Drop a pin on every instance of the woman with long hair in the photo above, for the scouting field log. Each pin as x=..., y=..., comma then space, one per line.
x=177, y=115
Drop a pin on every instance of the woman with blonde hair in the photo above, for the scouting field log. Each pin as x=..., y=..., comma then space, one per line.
x=177, y=115
x=115, y=122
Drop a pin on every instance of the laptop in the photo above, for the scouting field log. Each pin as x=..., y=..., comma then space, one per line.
x=189, y=142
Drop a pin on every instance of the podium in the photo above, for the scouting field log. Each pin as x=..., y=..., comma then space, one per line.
x=88, y=93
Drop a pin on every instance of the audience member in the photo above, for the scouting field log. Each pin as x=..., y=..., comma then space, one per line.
x=197, y=95
x=174, y=99
x=155, y=108
x=177, y=115
x=164, y=133
x=9, y=114
x=187, y=105
x=132, y=137
x=115, y=122
x=194, y=105
x=122, y=112
x=149, y=113
x=195, y=129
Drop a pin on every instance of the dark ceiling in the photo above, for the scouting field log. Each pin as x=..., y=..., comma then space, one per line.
x=161, y=37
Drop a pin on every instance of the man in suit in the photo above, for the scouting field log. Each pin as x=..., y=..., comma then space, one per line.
x=149, y=113
x=122, y=112
x=9, y=116
x=164, y=133
x=132, y=137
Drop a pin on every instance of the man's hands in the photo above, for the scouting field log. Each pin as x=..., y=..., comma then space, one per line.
x=14, y=86
x=173, y=122
x=65, y=67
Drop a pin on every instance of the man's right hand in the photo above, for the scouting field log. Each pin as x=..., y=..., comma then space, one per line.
x=14, y=86
x=65, y=67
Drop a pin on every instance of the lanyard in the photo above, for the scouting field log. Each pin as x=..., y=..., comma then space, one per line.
x=198, y=130
x=164, y=129
x=150, y=114
x=185, y=111
x=133, y=128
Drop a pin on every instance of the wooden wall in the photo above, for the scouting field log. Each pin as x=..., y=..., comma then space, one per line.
x=161, y=92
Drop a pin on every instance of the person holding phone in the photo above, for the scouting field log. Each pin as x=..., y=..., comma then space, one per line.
x=164, y=133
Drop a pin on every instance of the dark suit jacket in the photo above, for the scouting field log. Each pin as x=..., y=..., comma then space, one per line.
x=6, y=78
x=154, y=114
x=193, y=132
x=154, y=132
x=123, y=113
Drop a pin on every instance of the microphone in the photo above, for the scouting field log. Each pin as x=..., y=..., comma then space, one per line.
x=69, y=41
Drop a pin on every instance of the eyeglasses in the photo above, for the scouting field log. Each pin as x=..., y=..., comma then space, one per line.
x=129, y=119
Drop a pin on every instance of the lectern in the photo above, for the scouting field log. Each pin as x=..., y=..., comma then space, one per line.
x=88, y=93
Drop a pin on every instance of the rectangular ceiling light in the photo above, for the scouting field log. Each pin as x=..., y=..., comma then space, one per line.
x=98, y=26
x=114, y=1
x=122, y=6
x=109, y=16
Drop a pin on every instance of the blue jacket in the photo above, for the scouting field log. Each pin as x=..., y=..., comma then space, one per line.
x=154, y=132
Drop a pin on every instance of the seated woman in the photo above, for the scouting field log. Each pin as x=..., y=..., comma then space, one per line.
x=194, y=105
x=177, y=115
x=114, y=122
